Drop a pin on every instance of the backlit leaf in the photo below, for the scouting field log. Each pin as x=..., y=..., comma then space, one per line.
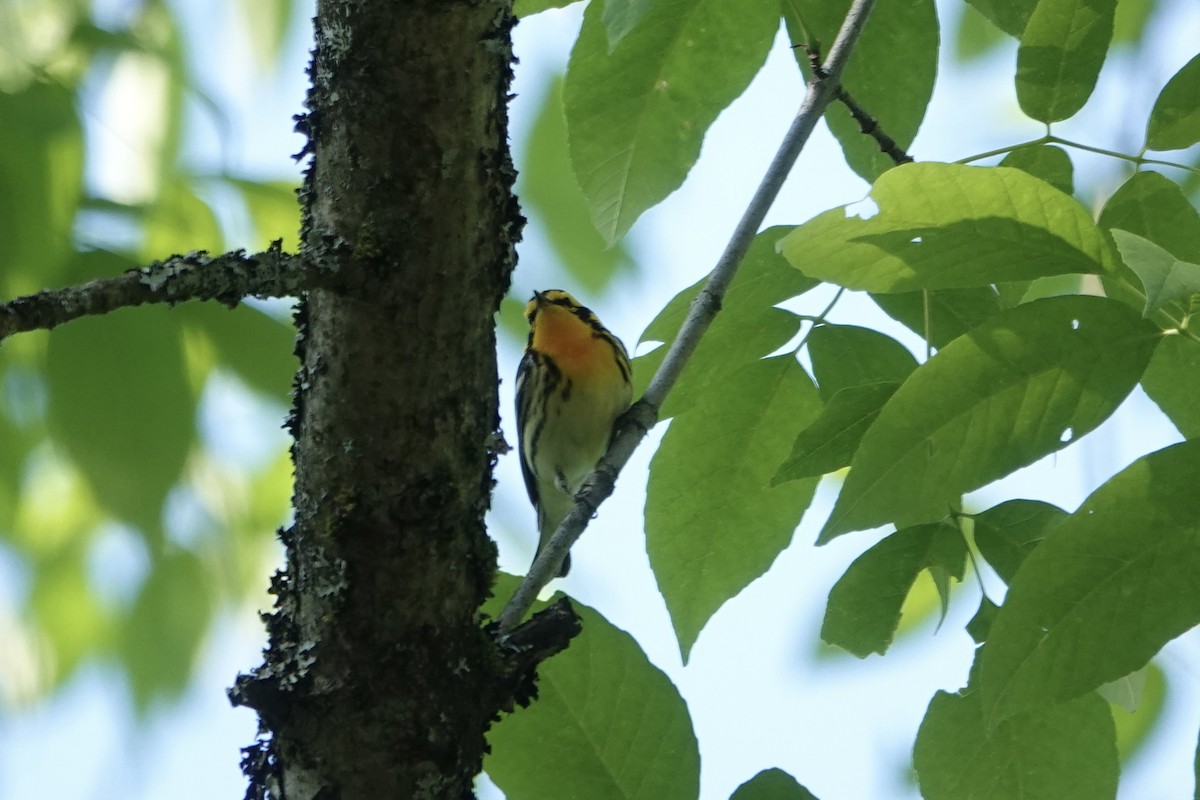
x=1068, y=624
x=1005, y=534
x=1165, y=278
x=772, y=784
x=828, y=444
x=1051, y=753
x=607, y=724
x=1062, y=50
x=864, y=605
x=1175, y=121
x=636, y=116
x=1172, y=380
x=1014, y=389
x=890, y=74
x=713, y=521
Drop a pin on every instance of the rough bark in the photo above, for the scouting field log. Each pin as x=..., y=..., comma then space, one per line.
x=379, y=681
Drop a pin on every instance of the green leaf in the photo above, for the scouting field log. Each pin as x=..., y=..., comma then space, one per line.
x=1016, y=388
x=69, y=617
x=772, y=784
x=828, y=444
x=1046, y=161
x=1154, y=208
x=1010, y=16
x=41, y=170
x=1007, y=533
x=1175, y=121
x=845, y=356
x=120, y=403
x=548, y=189
x=864, y=605
x=890, y=74
x=1172, y=380
x=748, y=327
x=607, y=724
x=952, y=312
x=1196, y=769
x=1100, y=597
x=1166, y=279
x=254, y=346
x=946, y=226
x=713, y=522
x=527, y=8
x=1052, y=753
x=981, y=624
x=1062, y=50
x=274, y=210
x=267, y=21
x=636, y=116
x=179, y=222
x=1126, y=691
x=1135, y=727
x=166, y=626
x=622, y=16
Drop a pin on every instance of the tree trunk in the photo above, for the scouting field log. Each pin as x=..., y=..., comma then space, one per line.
x=378, y=681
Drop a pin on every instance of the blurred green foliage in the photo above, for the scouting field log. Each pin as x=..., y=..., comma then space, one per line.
x=99, y=419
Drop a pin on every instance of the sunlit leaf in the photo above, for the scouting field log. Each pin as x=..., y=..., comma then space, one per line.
x=944, y=226
x=1068, y=625
x=1062, y=49
x=636, y=116
x=1016, y=388
x=1050, y=753
x=607, y=724
x=864, y=605
x=1175, y=121
x=713, y=521
x=890, y=74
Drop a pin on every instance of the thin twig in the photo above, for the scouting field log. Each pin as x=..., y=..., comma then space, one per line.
x=226, y=278
x=632, y=428
x=867, y=125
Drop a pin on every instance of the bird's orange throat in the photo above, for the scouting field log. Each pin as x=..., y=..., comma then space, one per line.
x=570, y=341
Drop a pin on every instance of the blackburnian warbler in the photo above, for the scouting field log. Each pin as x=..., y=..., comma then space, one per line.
x=573, y=383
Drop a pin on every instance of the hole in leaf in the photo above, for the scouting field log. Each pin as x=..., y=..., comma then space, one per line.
x=863, y=209
x=1066, y=435
x=1074, y=324
x=915, y=240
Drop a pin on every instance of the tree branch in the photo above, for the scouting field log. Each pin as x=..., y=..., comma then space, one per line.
x=634, y=425
x=867, y=125
x=226, y=278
